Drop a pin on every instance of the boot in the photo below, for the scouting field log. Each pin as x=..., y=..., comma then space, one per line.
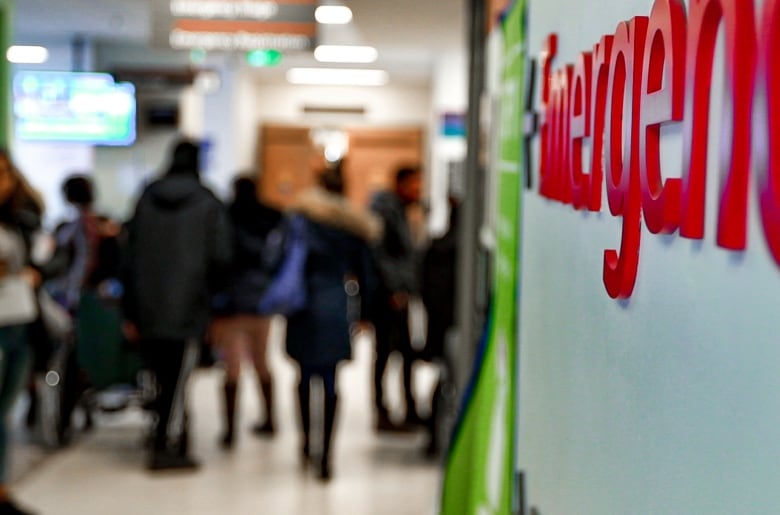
x=267, y=427
x=327, y=435
x=303, y=404
x=231, y=391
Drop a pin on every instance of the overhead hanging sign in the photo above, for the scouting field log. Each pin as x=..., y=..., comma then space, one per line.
x=243, y=24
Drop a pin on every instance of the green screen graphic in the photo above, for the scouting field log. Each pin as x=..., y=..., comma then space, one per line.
x=480, y=466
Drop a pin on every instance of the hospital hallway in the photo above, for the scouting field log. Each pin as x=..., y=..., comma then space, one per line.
x=103, y=471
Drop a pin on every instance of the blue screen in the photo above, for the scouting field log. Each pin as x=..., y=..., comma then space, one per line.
x=73, y=106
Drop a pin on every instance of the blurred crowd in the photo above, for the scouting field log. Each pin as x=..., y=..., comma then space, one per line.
x=189, y=280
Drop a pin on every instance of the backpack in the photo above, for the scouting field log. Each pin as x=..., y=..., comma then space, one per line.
x=287, y=293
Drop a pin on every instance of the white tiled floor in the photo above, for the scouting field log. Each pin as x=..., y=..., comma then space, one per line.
x=102, y=473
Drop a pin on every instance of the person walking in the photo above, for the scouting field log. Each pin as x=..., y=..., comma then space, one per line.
x=238, y=327
x=398, y=277
x=178, y=247
x=318, y=337
x=438, y=289
x=76, y=257
x=20, y=212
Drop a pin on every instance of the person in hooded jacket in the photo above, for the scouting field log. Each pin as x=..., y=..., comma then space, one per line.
x=396, y=263
x=318, y=337
x=238, y=325
x=178, y=248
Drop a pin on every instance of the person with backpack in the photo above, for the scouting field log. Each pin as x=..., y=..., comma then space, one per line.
x=335, y=237
x=77, y=257
x=238, y=326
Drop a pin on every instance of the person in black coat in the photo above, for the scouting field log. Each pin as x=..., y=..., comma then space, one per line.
x=397, y=267
x=318, y=337
x=178, y=247
x=438, y=289
x=238, y=325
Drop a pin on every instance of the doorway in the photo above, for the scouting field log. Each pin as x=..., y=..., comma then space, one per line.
x=288, y=157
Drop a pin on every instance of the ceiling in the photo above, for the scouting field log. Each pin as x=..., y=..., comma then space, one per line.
x=408, y=34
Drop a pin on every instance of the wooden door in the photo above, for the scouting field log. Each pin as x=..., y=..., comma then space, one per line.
x=285, y=163
x=374, y=157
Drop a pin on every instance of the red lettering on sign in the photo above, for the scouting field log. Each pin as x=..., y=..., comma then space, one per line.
x=545, y=132
x=602, y=56
x=579, y=128
x=622, y=165
x=559, y=159
x=657, y=71
x=768, y=111
x=663, y=90
x=703, y=20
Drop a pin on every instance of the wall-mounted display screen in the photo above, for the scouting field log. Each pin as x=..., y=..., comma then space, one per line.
x=73, y=107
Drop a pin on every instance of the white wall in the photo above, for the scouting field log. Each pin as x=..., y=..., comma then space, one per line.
x=666, y=403
x=386, y=105
x=449, y=95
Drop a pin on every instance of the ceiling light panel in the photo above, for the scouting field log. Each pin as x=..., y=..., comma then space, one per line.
x=333, y=14
x=27, y=54
x=337, y=77
x=345, y=54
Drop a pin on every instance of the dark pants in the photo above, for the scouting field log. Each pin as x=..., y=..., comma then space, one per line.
x=325, y=372
x=15, y=361
x=328, y=409
x=392, y=334
x=172, y=362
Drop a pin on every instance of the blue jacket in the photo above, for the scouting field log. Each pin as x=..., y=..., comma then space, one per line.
x=337, y=239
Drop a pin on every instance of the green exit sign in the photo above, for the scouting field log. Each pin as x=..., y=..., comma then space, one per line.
x=261, y=58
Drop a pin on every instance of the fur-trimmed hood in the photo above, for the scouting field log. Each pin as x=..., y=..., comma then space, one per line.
x=327, y=208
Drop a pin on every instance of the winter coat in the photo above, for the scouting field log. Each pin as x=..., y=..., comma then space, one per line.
x=394, y=254
x=178, y=248
x=336, y=236
x=251, y=271
x=438, y=288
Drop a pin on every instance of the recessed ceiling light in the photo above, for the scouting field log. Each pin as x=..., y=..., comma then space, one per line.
x=27, y=54
x=345, y=54
x=337, y=77
x=333, y=14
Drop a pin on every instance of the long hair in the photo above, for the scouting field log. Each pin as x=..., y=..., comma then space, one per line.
x=24, y=195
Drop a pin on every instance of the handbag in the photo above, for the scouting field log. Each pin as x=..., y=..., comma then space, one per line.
x=287, y=293
x=18, y=304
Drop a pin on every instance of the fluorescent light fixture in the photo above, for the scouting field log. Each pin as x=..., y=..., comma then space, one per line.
x=337, y=77
x=345, y=54
x=27, y=54
x=333, y=14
